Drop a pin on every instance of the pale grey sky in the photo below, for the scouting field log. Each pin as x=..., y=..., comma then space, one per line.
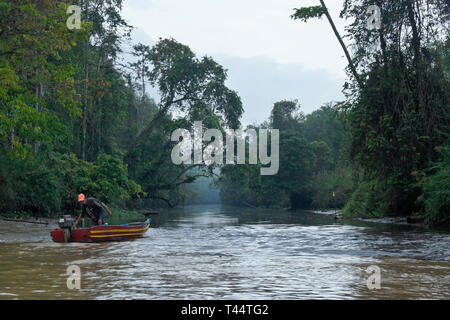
x=269, y=56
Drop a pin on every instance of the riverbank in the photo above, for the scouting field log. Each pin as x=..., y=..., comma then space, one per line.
x=398, y=220
x=24, y=217
x=122, y=215
x=325, y=212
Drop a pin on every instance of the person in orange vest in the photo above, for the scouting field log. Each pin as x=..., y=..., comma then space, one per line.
x=93, y=208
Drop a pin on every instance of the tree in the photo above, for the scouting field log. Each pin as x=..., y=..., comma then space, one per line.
x=185, y=82
x=399, y=111
x=304, y=155
x=36, y=85
x=307, y=13
x=436, y=188
x=325, y=125
x=188, y=85
x=283, y=115
x=104, y=30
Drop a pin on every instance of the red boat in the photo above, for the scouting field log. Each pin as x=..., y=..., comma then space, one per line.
x=101, y=233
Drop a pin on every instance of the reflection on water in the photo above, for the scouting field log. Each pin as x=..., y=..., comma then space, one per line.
x=212, y=252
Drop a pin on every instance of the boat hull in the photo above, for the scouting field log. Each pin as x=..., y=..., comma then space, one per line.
x=103, y=233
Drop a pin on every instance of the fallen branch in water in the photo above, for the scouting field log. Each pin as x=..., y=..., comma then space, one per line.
x=25, y=221
x=250, y=205
x=148, y=212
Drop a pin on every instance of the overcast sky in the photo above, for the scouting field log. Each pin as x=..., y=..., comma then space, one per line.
x=269, y=56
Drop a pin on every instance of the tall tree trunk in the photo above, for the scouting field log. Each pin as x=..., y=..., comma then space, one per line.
x=383, y=41
x=143, y=81
x=39, y=94
x=85, y=98
x=12, y=138
x=418, y=64
x=85, y=109
x=338, y=36
x=417, y=54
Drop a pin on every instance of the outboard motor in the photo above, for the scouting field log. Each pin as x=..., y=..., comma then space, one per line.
x=66, y=223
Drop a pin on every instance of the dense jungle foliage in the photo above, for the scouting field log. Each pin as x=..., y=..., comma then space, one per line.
x=77, y=115
x=389, y=154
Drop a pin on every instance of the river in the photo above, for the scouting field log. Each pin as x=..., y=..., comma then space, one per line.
x=215, y=252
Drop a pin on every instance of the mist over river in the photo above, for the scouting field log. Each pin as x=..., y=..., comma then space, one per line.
x=216, y=252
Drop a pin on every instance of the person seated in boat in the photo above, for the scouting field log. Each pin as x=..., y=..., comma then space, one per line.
x=93, y=208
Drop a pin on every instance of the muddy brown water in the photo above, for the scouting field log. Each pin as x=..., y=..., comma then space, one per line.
x=215, y=252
